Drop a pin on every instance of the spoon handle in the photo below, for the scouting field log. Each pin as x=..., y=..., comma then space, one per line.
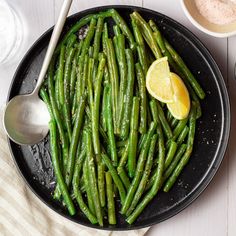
x=53, y=42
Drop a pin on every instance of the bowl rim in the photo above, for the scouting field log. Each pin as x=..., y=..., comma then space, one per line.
x=204, y=182
x=201, y=27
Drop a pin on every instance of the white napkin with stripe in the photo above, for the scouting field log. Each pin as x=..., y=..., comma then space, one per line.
x=23, y=214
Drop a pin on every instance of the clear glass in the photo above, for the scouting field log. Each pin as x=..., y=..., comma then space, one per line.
x=11, y=32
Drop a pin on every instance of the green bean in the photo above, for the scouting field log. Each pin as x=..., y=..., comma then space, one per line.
x=173, y=123
x=115, y=177
x=73, y=76
x=80, y=157
x=161, y=44
x=61, y=75
x=76, y=190
x=82, y=188
x=74, y=141
x=143, y=96
x=110, y=200
x=123, y=26
x=179, y=128
x=90, y=52
x=171, y=153
x=128, y=95
x=195, y=99
x=104, y=102
x=141, y=142
x=66, y=105
x=56, y=113
x=45, y=97
x=141, y=46
x=79, y=49
x=57, y=89
x=117, y=55
x=83, y=60
x=113, y=72
x=88, y=187
x=82, y=22
x=96, y=106
x=147, y=34
x=101, y=184
x=92, y=176
x=120, y=152
x=101, y=130
x=124, y=177
x=71, y=41
x=104, y=37
x=85, y=78
x=156, y=117
x=189, y=76
x=106, y=79
x=97, y=38
x=82, y=65
x=89, y=37
x=123, y=73
x=157, y=182
x=161, y=138
x=185, y=158
x=171, y=167
x=182, y=135
x=145, y=176
x=56, y=166
x=140, y=165
x=115, y=43
x=169, y=116
x=109, y=123
x=133, y=137
x=164, y=123
x=116, y=30
x=124, y=156
x=149, y=115
x=175, y=161
x=122, y=143
x=90, y=83
x=74, y=29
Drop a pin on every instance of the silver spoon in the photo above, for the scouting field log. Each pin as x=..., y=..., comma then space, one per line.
x=26, y=117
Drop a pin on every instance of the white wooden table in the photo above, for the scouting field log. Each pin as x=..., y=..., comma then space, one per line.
x=214, y=212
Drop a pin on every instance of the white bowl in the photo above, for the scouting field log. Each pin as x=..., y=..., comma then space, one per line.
x=220, y=31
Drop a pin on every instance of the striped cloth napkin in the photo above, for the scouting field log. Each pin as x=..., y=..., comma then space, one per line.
x=22, y=213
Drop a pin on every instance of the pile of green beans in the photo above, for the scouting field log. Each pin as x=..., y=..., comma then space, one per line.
x=110, y=140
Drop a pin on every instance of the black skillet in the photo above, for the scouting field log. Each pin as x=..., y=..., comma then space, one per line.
x=211, y=136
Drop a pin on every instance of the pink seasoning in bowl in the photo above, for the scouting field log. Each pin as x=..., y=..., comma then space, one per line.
x=220, y=12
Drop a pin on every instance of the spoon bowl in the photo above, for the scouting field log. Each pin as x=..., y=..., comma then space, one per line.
x=26, y=119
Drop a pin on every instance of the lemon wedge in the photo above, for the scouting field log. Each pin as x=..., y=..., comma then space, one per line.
x=180, y=106
x=158, y=81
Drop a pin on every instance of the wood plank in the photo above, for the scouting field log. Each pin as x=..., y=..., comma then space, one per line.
x=37, y=17
x=208, y=214
x=79, y=5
